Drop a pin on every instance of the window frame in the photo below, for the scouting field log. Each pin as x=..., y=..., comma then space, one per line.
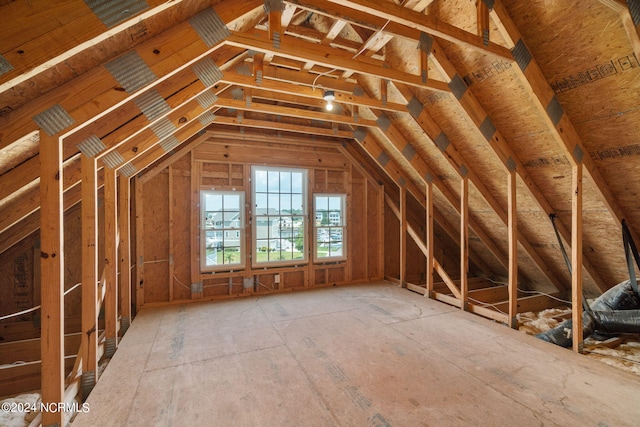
x=343, y=226
x=223, y=231
x=255, y=218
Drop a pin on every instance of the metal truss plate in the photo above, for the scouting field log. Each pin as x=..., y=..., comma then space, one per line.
x=207, y=71
x=210, y=27
x=163, y=128
x=91, y=146
x=521, y=54
x=5, y=66
x=207, y=99
x=53, y=120
x=152, y=104
x=113, y=12
x=131, y=72
x=113, y=159
x=207, y=118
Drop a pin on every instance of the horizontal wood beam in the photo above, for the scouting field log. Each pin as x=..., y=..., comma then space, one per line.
x=331, y=159
x=293, y=88
x=532, y=303
x=284, y=127
x=29, y=350
x=25, y=377
x=413, y=19
x=293, y=112
x=326, y=56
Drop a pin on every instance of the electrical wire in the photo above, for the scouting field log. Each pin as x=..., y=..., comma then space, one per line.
x=545, y=294
x=530, y=292
x=182, y=284
x=364, y=47
x=486, y=304
x=29, y=310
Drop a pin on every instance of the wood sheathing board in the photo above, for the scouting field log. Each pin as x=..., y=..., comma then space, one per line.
x=566, y=40
x=590, y=64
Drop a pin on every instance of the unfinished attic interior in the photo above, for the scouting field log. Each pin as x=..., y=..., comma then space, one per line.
x=171, y=171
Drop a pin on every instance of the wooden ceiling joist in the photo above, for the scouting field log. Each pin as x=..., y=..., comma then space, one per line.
x=292, y=112
x=309, y=92
x=300, y=50
x=284, y=127
x=410, y=18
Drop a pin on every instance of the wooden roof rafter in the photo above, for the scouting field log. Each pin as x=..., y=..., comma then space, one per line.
x=481, y=120
x=96, y=93
x=47, y=43
x=398, y=174
x=136, y=143
x=555, y=117
x=401, y=145
x=129, y=122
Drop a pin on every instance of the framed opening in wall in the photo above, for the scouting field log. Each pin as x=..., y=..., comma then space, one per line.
x=279, y=216
x=330, y=227
x=222, y=230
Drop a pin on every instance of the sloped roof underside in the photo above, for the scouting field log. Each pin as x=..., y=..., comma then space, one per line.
x=432, y=91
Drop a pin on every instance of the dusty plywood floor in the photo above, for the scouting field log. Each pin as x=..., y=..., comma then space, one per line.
x=352, y=356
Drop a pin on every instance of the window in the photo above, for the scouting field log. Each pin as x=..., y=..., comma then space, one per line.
x=279, y=212
x=330, y=226
x=222, y=212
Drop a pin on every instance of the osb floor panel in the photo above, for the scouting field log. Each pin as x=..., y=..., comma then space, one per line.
x=348, y=356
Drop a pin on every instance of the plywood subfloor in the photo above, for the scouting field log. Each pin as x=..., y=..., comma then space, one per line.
x=368, y=355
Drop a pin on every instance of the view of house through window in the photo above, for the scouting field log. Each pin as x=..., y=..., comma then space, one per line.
x=279, y=214
x=330, y=225
x=223, y=224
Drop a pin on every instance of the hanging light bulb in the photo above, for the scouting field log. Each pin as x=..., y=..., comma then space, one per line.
x=329, y=96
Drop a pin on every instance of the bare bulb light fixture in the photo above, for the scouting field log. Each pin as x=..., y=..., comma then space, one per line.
x=329, y=96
